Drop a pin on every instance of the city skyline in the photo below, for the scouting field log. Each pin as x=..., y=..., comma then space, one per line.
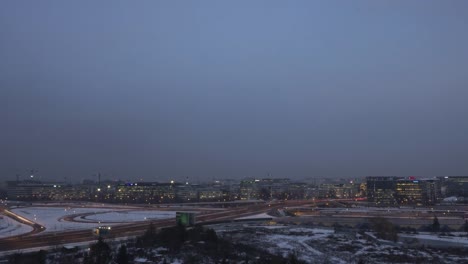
x=233, y=90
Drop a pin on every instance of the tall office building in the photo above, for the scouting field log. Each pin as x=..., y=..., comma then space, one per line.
x=381, y=190
x=454, y=186
x=412, y=192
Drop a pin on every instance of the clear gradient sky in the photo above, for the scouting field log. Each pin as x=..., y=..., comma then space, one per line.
x=231, y=89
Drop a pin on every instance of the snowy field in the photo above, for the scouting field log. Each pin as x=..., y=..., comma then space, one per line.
x=130, y=216
x=52, y=218
x=257, y=216
x=320, y=245
x=10, y=227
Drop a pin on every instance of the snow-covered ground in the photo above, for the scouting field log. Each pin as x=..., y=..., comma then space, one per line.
x=287, y=240
x=457, y=239
x=130, y=216
x=10, y=227
x=321, y=245
x=257, y=216
x=52, y=218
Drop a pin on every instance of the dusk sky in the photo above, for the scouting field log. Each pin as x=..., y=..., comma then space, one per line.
x=160, y=90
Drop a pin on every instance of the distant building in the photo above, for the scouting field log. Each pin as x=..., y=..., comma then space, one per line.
x=381, y=190
x=265, y=189
x=297, y=190
x=454, y=186
x=146, y=192
x=211, y=194
x=416, y=192
x=187, y=193
x=36, y=190
x=249, y=189
x=339, y=190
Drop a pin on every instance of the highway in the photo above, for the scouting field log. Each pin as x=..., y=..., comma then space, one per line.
x=40, y=240
x=305, y=209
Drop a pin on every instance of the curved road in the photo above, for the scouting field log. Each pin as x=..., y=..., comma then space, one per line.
x=36, y=227
x=124, y=230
